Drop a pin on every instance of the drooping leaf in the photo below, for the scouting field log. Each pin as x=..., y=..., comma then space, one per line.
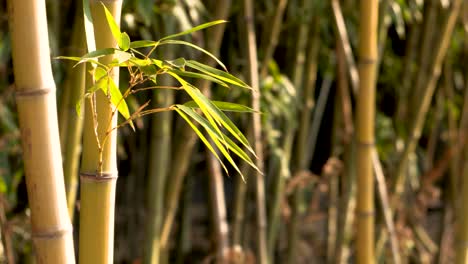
x=216, y=138
x=194, y=29
x=181, y=42
x=222, y=75
x=224, y=139
x=225, y=106
x=201, y=136
x=121, y=57
x=199, y=76
x=112, y=24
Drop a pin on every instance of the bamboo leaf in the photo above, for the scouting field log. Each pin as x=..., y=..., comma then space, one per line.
x=194, y=29
x=142, y=44
x=98, y=53
x=225, y=106
x=201, y=136
x=221, y=75
x=121, y=57
x=181, y=42
x=226, y=140
x=124, y=41
x=221, y=118
x=112, y=25
x=199, y=76
x=118, y=100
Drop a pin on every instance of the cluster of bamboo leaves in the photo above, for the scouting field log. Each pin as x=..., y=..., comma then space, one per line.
x=144, y=69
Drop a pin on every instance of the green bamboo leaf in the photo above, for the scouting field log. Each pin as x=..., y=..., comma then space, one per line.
x=98, y=53
x=68, y=58
x=225, y=106
x=201, y=136
x=124, y=41
x=215, y=137
x=181, y=42
x=199, y=76
x=221, y=118
x=112, y=24
x=221, y=75
x=177, y=63
x=118, y=100
x=200, y=99
x=226, y=140
x=143, y=43
x=194, y=29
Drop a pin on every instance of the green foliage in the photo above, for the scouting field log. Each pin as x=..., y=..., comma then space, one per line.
x=144, y=69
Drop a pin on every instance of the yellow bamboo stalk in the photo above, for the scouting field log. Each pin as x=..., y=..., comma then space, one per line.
x=98, y=176
x=35, y=97
x=368, y=52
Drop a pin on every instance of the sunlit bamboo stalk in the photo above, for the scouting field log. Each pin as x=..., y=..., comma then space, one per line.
x=37, y=113
x=368, y=54
x=99, y=164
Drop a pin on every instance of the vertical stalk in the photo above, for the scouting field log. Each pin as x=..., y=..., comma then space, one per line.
x=98, y=178
x=272, y=40
x=160, y=152
x=186, y=137
x=368, y=54
x=261, y=223
x=71, y=125
x=218, y=207
x=37, y=114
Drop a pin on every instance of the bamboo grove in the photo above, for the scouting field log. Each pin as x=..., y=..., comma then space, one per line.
x=203, y=131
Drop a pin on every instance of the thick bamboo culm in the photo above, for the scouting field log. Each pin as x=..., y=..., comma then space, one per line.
x=98, y=180
x=37, y=113
x=368, y=53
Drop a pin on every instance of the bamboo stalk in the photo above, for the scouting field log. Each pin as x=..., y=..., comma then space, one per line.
x=424, y=103
x=261, y=223
x=340, y=29
x=186, y=138
x=71, y=125
x=37, y=114
x=160, y=152
x=99, y=164
x=368, y=52
x=218, y=205
x=272, y=40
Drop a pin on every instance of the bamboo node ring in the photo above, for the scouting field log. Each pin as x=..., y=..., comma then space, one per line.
x=48, y=235
x=365, y=214
x=98, y=176
x=367, y=61
x=366, y=144
x=33, y=92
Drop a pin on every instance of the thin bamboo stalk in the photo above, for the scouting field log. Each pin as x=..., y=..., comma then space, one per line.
x=99, y=164
x=218, y=205
x=239, y=206
x=424, y=103
x=272, y=40
x=341, y=32
x=160, y=152
x=368, y=52
x=70, y=123
x=261, y=223
x=186, y=138
x=37, y=113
